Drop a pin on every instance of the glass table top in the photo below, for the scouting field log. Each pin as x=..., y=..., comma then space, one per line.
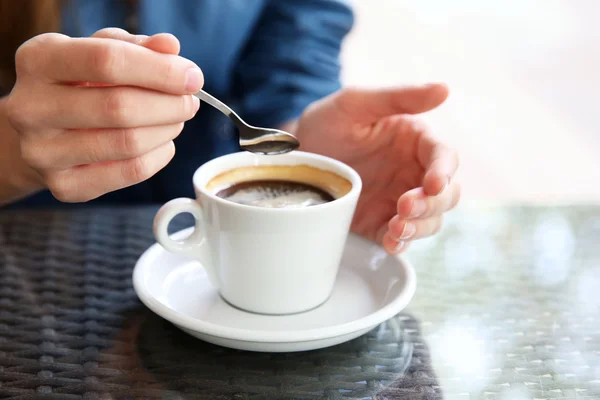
x=507, y=307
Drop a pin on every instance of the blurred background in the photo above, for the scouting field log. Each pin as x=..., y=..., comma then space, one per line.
x=507, y=297
x=524, y=76
x=523, y=112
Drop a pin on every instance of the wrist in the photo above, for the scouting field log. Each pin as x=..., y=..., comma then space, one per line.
x=17, y=179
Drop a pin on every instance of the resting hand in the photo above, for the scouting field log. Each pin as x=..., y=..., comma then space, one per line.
x=407, y=173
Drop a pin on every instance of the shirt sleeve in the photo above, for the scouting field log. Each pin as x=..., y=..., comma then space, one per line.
x=291, y=60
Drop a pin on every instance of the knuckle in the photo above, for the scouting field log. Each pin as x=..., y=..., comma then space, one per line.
x=141, y=168
x=24, y=109
x=16, y=111
x=395, y=122
x=137, y=170
x=24, y=58
x=31, y=154
x=106, y=60
x=170, y=70
x=115, y=106
x=130, y=142
x=27, y=56
x=60, y=188
x=65, y=191
x=113, y=33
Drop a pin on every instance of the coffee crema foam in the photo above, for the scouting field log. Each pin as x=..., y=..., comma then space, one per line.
x=279, y=186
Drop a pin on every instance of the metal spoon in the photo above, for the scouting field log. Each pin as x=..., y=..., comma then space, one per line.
x=253, y=139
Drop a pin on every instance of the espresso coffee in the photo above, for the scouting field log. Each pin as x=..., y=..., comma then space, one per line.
x=279, y=186
x=275, y=194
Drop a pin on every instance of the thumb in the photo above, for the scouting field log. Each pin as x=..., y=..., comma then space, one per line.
x=370, y=105
x=161, y=43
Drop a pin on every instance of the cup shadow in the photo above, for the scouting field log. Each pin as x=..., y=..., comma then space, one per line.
x=385, y=361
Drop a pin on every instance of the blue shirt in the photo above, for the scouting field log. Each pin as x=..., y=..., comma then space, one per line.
x=268, y=59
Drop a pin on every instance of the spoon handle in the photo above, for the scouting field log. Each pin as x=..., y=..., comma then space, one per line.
x=207, y=98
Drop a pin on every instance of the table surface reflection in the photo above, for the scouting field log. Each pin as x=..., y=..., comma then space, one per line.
x=507, y=307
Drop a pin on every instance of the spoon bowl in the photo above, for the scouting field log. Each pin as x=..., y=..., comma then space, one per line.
x=265, y=141
x=270, y=141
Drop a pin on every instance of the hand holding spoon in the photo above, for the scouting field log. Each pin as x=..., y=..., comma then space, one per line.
x=254, y=139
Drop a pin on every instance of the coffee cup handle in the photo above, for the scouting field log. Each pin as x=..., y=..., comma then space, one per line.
x=193, y=246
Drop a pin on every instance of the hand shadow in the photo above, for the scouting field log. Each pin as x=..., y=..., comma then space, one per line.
x=389, y=362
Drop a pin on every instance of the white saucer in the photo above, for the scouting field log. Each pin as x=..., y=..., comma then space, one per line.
x=371, y=288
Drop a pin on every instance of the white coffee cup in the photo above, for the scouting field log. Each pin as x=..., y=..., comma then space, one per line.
x=265, y=260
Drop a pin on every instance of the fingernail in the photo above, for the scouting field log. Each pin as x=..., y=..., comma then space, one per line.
x=418, y=208
x=139, y=39
x=445, y=185
x=196, y=103
x=193, y=80
x=398, y=247
x=409, y=230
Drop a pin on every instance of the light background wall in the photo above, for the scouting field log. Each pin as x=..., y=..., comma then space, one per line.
x=524, y=75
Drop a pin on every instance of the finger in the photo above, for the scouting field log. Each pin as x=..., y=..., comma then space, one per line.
x=393, y=246
x=416, y=204
x=110, y=61
x=374, y=104
x=440, y=163
x=119, y=34
x=402, y=230
x=85, y=183
x=162, y=42
x=81, y=147
x=113, y=107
